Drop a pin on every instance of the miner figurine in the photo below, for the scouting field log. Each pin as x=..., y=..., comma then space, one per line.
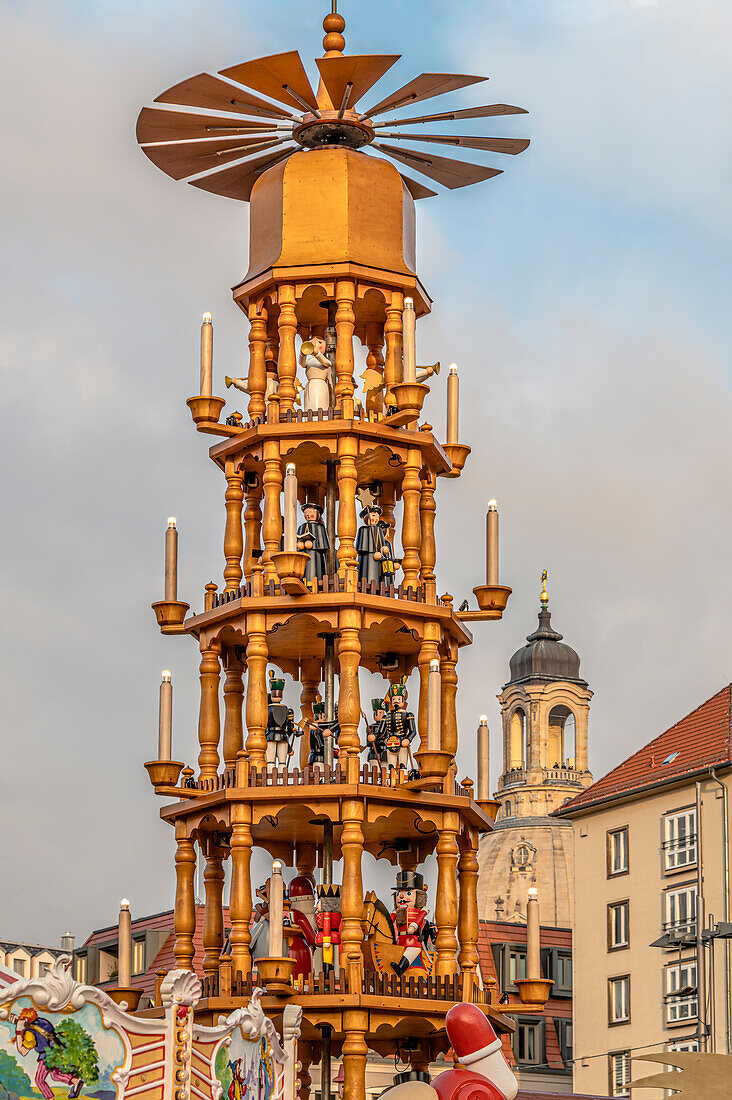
x=398, y=729
x=312, y=538
x=414, y=930
x=281, y=729
x=375, y=554
x=375, y=742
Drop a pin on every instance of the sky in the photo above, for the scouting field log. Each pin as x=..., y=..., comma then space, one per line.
x=583, y=293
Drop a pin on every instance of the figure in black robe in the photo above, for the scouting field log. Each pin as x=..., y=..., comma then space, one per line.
x=318, y=730
x=312, y=538
x=375, y=554
x=376, y=743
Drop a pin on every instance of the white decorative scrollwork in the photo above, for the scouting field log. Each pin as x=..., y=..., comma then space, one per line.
x=180, y=987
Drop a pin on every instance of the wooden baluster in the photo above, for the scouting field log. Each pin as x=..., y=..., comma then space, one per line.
x=449, y=690
x=428, y=651
x=240, y=898
x=233, y=535
x=272, y=523
x=352, y=891
x=256, y=705
x=345, y=320
x=184, y=916
x=349, y=698
x=355, y=1027
x=468, y=908
x=287, y=362
x=446, y=904
x=411, y=533
x=375, y=362
x=252, y=522
x=393, y=337
x=310, y=680
x=233, y=704
x=213, y=914
x=428, y=553
x=257, y=378
x=209, y=723
x=347, y=479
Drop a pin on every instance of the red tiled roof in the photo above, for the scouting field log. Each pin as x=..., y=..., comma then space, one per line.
x=700, y=740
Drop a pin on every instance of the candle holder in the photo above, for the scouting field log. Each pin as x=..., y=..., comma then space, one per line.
x=410, y=396
x=164, y=773
x=125, y=995
x=205, y=409
x=170, y=615
x=290, y=568
x=533, y=991
x=457, y=453
x=492, y=599
x=433, y=763
x=489, y=806
x=276, y=971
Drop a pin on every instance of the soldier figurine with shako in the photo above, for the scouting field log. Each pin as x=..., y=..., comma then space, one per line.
x=319, y=730
x=413, y=928
x=398, y=729
x=281, y=729
x=312, y=538
x=374, y=735
x=376, y=560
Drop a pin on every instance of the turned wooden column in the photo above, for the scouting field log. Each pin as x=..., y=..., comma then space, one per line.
x=352, y=893
x=233, y=705
x=428, y=651
x=256, y=706
x=355, y=1027
x=387, y=500
x=305, y=856
x=233, y=534
x=272, y=522
x=345, y=320
x=349, y=698
x=310, y=680
x=257, y=379
x=468, y=905
x=209, y=722
x=213, y=913
x=446, y=902
x=272, y=346
x=287, y=361
x=448, y=673
x=240, y=897
x=184, y=914
x=410, y=519
x=375, y=362
x=393, y=337
x=252, y=524
x=347, y=481
x=305, y=1060
x=428, y=550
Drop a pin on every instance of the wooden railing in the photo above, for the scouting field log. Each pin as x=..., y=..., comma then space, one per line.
x=449, y=989
x=325, y=585
x=310, y=776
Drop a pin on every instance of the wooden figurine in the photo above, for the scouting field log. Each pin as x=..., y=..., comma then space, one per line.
x=329, y=923
x=301, y=924
x=375, y=741
x=242, y=384
x=319, y=730
x=318, y=371
x=398, y=729
x=312, y=538
x=281, y=729
x=483, y=1071
x=376, y=562
x=414, y=930
x=259, y=944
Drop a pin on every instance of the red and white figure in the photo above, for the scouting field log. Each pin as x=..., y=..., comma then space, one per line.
x=302, y=917
x=483, y=1073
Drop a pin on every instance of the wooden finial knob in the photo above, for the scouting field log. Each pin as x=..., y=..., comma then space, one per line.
x=334, y=25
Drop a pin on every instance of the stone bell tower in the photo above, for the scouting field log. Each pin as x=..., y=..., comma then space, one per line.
x=544, y=710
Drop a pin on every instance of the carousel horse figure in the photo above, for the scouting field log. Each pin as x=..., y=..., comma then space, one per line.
x=381, y=948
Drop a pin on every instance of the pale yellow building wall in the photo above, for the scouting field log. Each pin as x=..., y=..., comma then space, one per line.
x=644, y=886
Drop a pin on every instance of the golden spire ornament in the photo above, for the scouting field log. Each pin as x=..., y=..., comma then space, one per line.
x=544, y=594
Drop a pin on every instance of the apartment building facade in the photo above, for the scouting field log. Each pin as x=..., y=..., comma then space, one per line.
x=652, y=904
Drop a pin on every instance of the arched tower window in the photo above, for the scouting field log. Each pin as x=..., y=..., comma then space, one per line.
x=507, y=809
x=517, y=740
x=561, y=741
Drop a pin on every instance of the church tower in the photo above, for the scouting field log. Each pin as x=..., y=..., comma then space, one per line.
x=544, y=711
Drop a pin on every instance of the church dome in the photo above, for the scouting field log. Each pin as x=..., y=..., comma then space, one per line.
x=545, y=656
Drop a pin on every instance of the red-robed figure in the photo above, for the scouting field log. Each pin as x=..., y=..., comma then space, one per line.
x=302, y=917
x=328, y=922
x=411, y=921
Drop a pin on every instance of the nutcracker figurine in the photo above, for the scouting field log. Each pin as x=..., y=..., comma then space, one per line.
x=312, y=537
x=281, y=729
x=302, y=922
x=398, y=729
x=376, y=560
x=376, y=745
x=328, y=923
x=414, y=930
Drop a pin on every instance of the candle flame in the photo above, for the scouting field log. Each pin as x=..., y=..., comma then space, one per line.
x=207, y=318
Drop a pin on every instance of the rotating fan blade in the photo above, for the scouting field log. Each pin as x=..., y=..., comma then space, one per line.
x=489, y=111
x=278, y=77
x=450, y=173
x=426, y=86
x=416, y=189
x=186, y=158
x=237, y=182
x=361, y=71
x=490, y=145
x=154, y=125
x=213, y=94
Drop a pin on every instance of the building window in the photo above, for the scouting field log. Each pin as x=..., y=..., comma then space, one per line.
x=43, y=969
x=681, y=1046
x=620, y=1073
x=138, y=956
x=528, y=1043
x=562, y=972
x=619, y=1000
x=679, y=840
x=19, y=967
x=564, y=1035
x=617, y=852
x=618, y=925
x=680, y=911
x=681, y=992
x=516, y=964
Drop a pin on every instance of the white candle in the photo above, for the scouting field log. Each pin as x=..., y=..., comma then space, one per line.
x=453, y=399
x=484, y=760
x=206, y=356
x=434, y=707
x=171, y=561
x=409, y=338
x=491, y=544
x=533, y=948
x=165, y=718
x=276, y=910
x=124, y=948
x=290, y=517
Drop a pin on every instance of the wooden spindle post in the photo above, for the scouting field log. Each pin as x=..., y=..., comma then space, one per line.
x=448, y=672
x=257, y=377
x=345, y=320
x=213, y=914
x=393, y=337
x=468, y=905
x=347, y=480
x=209, y=722
x=240, y=899
x=428, y=550
x=349, y=699
x=233, y=534
x=446, y=902
x=287, y=361
x=410, y=520
x=233, y=704
x=272, y=522
x=256, y=704
x=310, y=676
x=184, y=915
x=252, y=522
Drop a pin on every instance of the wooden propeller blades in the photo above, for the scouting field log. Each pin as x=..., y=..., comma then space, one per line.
x=426, y=86
x=450, y=173
x=488, y=144
x=361, y=72
x=281, y=76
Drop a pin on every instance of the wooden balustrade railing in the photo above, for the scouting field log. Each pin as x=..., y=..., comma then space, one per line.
x=325, y=585
x=449, y=988
x=314, y=775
